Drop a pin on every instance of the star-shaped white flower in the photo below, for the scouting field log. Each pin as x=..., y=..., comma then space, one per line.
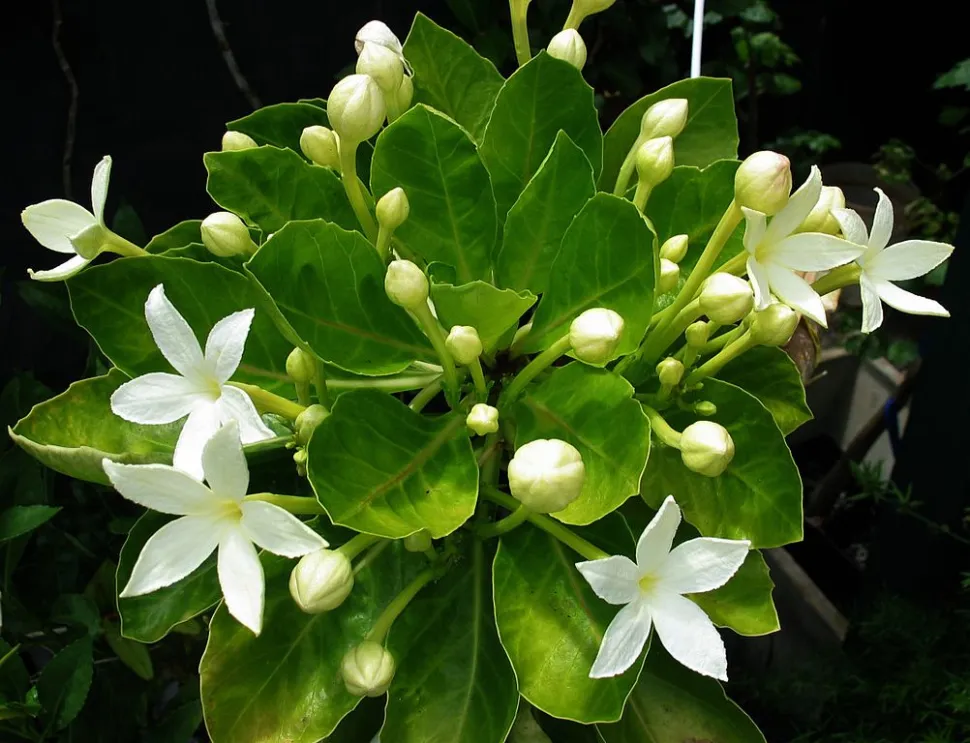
x=775, y=254
x=213, y=517
x=652, y=591
x=199, y=390
x=881, y=266
x=57, y=223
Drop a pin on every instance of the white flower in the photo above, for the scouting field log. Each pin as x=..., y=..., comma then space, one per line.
x=213, y=517
x=199, y=390
x=652, y=592
x=56, y=223
x=775, y=254
x=881, y=265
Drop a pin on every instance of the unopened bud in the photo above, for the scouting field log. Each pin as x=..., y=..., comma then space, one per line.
x=383, y=65
x=420, y=541
x=301, y=366
x=665, y=118
x=821, y=219
x=655, y=160
x=225, y=234
x=568, y=46
x=725, y=298
x=705, y=408
x=307, y=421
x=405, y=284
x=377, y=32
x=595, y=334
x=546, y=475
x=521, y=333
x=669, y=276
x=706, y=448
x=774, y=325
x=674, y=248
x=482, y=419
x=697, y=334
x=299, y=459
x=367, y=670
x=405, y=94
x=321, y=147
x=670, y=371
x=321, y=581
x=763, y=182
x=356, y=108
x=463, y=344
x=237, y=141
x=393, y=209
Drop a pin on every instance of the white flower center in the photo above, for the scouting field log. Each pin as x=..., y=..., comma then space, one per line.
x=648, y=583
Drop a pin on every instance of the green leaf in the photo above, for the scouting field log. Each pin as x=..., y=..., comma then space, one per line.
x=269, y=187
x=672, y=704
x=489, y=310
x=450, y=75
x=607, y=259
x=744, y=603
x=77, y=610
x=594, y=410
x=285, y=684
x=150, y=617
x=380, y=468
x=109, y=302
x=281, y=124
x=540, y=99
x=452, y=216
x=132, y=654
x=711, y=132
x=759, y=495
x=179, y=236
x=73, y=432
x=329, y=285
x=551, y=623
x=454, y=682
x=64, y=682
x=540, y=216
x=770, y=375
x=19, y=520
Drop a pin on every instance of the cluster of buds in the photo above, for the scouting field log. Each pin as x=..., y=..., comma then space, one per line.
x=672, y=252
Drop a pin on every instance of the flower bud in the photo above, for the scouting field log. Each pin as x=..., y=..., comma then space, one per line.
x=595, y=334
x=763, y=182
x=405, y=284
x=300, y=366
x=568, y=46
x=356, y=108
x=821, y=219
x=307, y=421
x=655, y=160
x=482, y=419
x=420, y=541
x=675, y=248
x=299, y=459
x=383, y=65
x=463, y=344
x=521, y=333
x=546, y=475
x=697, y=334
x=367, y=669
x=706, y=448
x=705, y=408
x=237, y=141
x=670, y=371
x=725, y=299
x=321, y=581
x=320, y=146
x=377, y=32
x=405, y=94
x=225, y=235
x=665, y=118
x=393, y=209
x=669, y=276
x=774, y=325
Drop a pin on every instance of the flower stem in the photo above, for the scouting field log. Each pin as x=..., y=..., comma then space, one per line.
x=518, y=517
x=296, y=504
x=520, y=30
x=278, y=442
x=661, y=338
x=383, y=244
x=426, y=395
x=117, y=244
x=302, y=393
x=534, y=367
x=478, y=377
x=267, y=402
x=736, y=266
x=320, y=384
x=372, y=554
x=720, y=341
x=642, y=195
x=714, y=364
x=574, y=18
x=663, y=430
x=348, y=174
x=398, y=604
x=627, y=168
x=402, y=383
x=837, y=278
x=357, y=544
x=429, y=323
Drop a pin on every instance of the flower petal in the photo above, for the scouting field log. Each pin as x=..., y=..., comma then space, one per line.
x=654, y=544
x=157, y=398
x=796, y=293
x=689, y=635
x=99, y=187
x=853, y=228
x=172, y=335
x=64, y=271
x=199, y=427
x=907, y=302
x=225, y=344
x=702, y=564
x=882, y=223
x=814, y=251
x=55, y=221
x=224, y=463
x=758, y=277
x=161, y=488
x=623, y=641
x=871, y=305
x=172, y=553
x=614, y=579
x=278, y=531
x=754, y=228
x=908, y=260
x=235, y=405
x=241, y=579
x=797, y=209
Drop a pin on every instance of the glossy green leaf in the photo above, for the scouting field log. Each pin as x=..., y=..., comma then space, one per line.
x=540, y=216
x=150, y=617
x=759, y=495
x=109, y=302
x=285, y=684
x=450, y=75
x=269, y=187
x=281, y=124
x=64, y=683
x=489, y=310
x=379, y=467
x=452, y=216
x=551, y=623
x=711, y=132
x=672, y=704
x=607, y=259
x=133, y=654
x=594, y=410
x=770, y=375
x=73, y=432
x=744, y=603
x=178, y=236
x=329, y=285
x=19, y=520
x=540, y=99
x=454, y=682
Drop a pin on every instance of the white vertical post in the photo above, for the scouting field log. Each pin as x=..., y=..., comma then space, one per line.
x=695, y=56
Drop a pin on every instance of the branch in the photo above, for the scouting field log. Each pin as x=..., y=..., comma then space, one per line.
x=71, y=128
x=219, y=31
